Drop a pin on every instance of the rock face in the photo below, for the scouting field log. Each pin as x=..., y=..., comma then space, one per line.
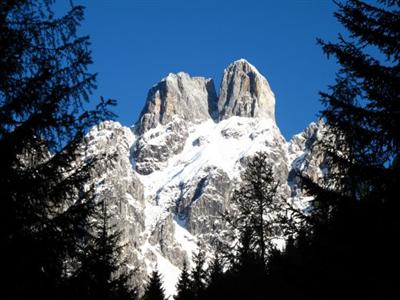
x=192, y=99
x=245, y=93
x=119, y=187
x=157, y=145
x=173, y=173
x=308, y=157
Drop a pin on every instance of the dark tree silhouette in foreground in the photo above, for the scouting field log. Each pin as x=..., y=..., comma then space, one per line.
x=259, y=207
x=215, y=278
x=102, y=273
x=184, y=285
x=352, y=248
x=199, y=275
x=363, y=106
x=154, y=289
x=44, y=189
x=256, y=222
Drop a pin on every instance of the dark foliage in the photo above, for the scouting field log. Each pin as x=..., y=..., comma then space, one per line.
x=363, y=106
x=259, y=207
x=198, y=276
x=215, y=278
x=44, y=84
x=259, y=217
x=102, y=273
x=351, y=250
x=154, y=289
x=184, y=286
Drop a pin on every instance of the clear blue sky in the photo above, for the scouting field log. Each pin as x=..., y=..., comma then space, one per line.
x=135, y=43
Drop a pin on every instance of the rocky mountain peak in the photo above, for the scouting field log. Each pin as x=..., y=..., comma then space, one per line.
x=245, y=92
x=170, y=179
x=192, y=99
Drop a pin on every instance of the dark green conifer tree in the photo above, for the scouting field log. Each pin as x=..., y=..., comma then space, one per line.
x=362, y=111
x=362, y=107
x=154, y=289
x=215, y=284
x=199, y=276
x=102, y=273
x=258, y=206
x=255, y=222
x=184, y=286
x=355, y=226
x=44, y=189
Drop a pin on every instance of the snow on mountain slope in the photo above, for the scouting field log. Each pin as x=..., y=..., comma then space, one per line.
x=173, y=172
x=186, y=189
x=220, y=144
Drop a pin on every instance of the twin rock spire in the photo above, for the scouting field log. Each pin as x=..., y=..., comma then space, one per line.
x=244, y=92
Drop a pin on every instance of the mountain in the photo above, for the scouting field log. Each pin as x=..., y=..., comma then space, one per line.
x=172, y=174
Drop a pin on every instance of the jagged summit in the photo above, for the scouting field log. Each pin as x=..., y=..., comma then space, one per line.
x=243, y=62
x=189, y=98
x=245, y=92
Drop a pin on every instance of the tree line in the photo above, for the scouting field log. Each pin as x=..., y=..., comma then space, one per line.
x=346, y=247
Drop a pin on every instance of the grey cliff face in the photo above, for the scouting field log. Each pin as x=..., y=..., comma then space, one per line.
x=156, y=146
x=201, y=202
x=119, y=187
x=192, y=99
x=245, y=93
x=309, y=158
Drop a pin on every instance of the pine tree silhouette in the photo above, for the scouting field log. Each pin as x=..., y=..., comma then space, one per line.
x=362, y=106
x=355, y=207
x=102, y=274
x=259, y=207
x=44, y=187
x=215, y=285
x=257, y=222
x=154, y=289
x=199, y=276
x=184, y=286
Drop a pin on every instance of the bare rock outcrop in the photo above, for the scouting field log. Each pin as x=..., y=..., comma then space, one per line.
x=245, y=93
x=193, y=99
